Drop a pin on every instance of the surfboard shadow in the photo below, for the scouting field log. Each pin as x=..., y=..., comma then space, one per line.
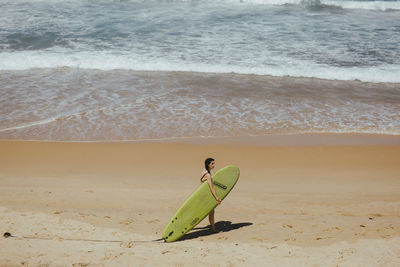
x=222, y=226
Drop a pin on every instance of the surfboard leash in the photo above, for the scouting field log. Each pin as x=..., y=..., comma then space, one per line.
x=9, y=235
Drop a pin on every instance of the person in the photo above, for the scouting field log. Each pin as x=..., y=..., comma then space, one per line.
x=209, y=164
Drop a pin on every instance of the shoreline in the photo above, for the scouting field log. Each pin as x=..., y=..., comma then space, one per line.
x=235, y=71
x=298, y=139
x=354, y=81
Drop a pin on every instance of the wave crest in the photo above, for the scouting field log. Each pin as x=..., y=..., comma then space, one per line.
x=23, y=60
x=346, y=4
x=369, y=5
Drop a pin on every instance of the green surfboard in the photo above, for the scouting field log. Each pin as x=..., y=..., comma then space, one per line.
x=200, y=203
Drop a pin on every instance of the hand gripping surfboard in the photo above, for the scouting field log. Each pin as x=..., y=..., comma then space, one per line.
x=200, y=203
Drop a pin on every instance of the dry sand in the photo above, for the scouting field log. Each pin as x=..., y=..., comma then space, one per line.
x=324, y=203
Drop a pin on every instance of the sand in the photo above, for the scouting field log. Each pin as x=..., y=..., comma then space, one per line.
x=329, y=201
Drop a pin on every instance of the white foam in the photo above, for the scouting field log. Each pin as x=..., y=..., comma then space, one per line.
x=169, y=114
x=107, y=61
x=29, y=124
x=370, y=5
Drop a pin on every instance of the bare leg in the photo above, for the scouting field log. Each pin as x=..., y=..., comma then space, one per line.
x=211, y=218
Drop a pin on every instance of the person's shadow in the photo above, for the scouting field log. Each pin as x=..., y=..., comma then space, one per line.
x=221, y=226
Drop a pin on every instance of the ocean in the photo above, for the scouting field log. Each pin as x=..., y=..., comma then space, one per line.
x=86, y=70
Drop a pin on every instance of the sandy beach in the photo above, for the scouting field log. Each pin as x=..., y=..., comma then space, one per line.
x=108, y=110
x=314, y=203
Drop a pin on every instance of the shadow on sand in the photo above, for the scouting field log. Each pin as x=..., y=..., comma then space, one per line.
x=222, y=226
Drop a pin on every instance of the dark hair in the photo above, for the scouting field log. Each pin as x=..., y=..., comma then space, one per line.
x=207, y=162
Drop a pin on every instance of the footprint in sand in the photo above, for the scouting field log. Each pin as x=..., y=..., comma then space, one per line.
x=127, y=221
x=154, y=221
x=226, y=238
x=127, y=244
x=330, y=229
x=86, y=214
x=346, y=252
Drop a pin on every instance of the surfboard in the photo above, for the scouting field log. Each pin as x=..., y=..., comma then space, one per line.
x=200, y=203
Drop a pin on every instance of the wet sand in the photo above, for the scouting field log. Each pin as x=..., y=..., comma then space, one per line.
x=121, y=105
x=331, y=201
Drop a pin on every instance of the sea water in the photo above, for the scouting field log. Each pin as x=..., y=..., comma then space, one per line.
x=86, y=70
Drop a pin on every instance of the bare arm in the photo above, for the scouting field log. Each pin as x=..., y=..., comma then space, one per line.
x=203, y=177
x=208, y=176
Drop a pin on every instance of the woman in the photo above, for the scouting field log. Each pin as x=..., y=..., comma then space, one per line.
x=209, y=164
